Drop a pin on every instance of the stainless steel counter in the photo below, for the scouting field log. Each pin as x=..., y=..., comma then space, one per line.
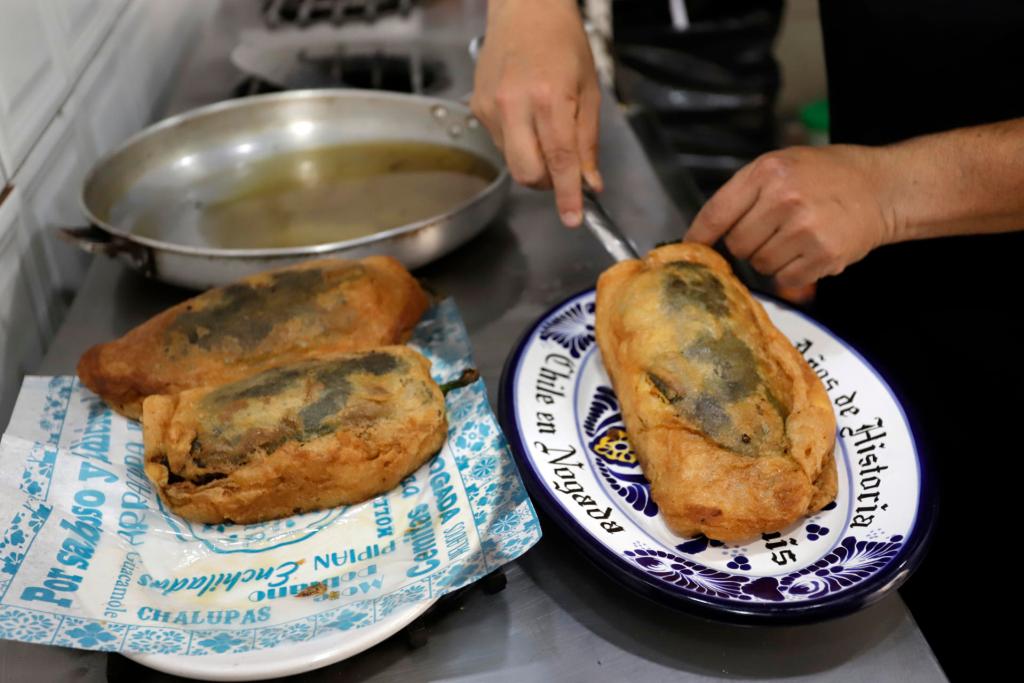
x=559, y=618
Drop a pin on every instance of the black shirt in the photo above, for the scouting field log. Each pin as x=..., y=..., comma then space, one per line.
x=902, y=68
x=941, y=318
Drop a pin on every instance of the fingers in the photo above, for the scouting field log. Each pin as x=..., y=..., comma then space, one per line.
x=725, y=208
x=548, y=140
x=522, y=150
x=791, y=256
x=485, y=111
x=775, y=254
x=546, y=143
x=799, y=272
x=753, y=230
x=806, y=235
x=587, y=124
x=765, y=221
x=785, y=244
x=555, y=119
x=793, y=214
x=796, y=295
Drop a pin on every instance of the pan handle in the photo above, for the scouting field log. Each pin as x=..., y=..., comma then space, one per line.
x=95, y=240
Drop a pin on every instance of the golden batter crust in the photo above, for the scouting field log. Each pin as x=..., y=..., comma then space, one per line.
x=324, y=306
x=730, y=425
x=335, y=430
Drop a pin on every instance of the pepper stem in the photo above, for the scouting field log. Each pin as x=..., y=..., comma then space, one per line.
x=468, y=376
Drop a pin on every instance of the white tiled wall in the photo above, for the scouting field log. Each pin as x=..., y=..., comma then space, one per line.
x=20, y=338
x=77, y=77
x=49, y=182
x=33, y=82
x=81, y=26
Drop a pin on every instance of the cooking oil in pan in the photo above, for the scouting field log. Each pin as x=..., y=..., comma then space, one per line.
x=342, y=192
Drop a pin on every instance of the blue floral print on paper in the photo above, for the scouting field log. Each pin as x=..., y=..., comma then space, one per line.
x=484, y=467
x=55, y=407
x=295, y=632
x=500, y=522
x=506, y=523
x=408, y=595
x=219, y=642
x=460, y=573
x=35, y=478
x=91, y=634
x=27, y=625
x=21, y=529
x=346, y=618
x=163, y=641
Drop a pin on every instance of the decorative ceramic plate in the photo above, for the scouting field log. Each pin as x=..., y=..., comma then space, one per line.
x=285, y=660
x=563, y=420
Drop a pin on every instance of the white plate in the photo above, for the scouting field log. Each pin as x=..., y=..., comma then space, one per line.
x=563, y=422
x=285, y=660
x=214, y=601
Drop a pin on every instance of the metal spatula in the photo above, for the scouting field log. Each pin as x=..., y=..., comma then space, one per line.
x=601, y=225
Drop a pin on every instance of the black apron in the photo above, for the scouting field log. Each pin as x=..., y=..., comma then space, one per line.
x=941, y=318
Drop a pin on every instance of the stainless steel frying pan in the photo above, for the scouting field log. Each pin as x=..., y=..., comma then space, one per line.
x=176, y=168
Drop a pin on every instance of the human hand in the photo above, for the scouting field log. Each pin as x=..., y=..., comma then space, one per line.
x=801, y=213
x=537, y=93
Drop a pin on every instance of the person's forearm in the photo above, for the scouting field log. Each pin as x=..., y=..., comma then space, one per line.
x=961, y=182
x=536, y=92
x=537, y=8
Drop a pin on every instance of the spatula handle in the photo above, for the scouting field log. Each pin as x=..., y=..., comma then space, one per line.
x=601, y=225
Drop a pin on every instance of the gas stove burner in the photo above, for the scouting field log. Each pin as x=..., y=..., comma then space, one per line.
x=375, y=71
x=254, y=85
x=378, y=71
x=407, y=68
x=278, y=13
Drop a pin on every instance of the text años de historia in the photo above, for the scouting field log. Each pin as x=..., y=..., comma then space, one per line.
x=866, y=435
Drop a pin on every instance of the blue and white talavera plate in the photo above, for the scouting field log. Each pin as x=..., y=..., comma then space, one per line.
x=563, y=421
